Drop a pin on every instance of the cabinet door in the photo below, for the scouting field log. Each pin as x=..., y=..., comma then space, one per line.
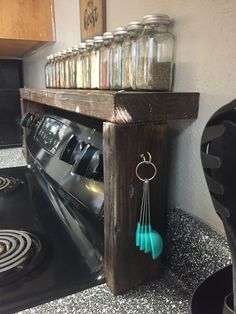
x=27, y=20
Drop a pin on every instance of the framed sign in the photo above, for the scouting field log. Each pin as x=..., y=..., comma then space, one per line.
x=92, y=18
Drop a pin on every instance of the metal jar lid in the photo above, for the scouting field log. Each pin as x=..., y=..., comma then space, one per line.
x=59, y=53
x=63, y=52
x=82, y=46
x=89, y=42
x=98, y=39
x=75, y=48
x=107, y=35
x=120, y=31
x=136, y=25
x=68, y=50
x=156, y=18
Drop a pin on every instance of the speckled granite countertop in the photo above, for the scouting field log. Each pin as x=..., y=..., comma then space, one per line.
x=11, y=157
x=193, y=251
x=189, y=260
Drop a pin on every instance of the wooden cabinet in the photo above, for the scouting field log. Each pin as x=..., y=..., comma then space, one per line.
x=133, y=123
x=25, y=25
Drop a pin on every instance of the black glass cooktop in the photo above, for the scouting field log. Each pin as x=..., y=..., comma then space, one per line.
x=68, y=244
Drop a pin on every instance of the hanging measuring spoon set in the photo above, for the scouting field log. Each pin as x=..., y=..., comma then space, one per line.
x=147, y=239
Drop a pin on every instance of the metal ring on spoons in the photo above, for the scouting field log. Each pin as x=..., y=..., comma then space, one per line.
x=147, y=162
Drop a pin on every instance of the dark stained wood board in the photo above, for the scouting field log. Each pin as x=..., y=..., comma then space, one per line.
x=125, y=265
x=134, y=123
x=119, y=106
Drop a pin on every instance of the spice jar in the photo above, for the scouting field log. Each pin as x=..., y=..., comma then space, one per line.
x=155, y=54
x=50, y=82
x=54, y=70
x=47, y=72
x=57, y=69
x=134, y=30
x=120, y=35
x=95, y=61
x=79, y=66
x=87, y=63
x=62, y=69
x=105, y=61
x=67, y=67
x=72, y=66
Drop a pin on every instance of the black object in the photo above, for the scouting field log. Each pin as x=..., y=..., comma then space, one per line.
x=218, y=151
x=60, y=208
x=10, y=83
x=228, y=304
x=210, y=294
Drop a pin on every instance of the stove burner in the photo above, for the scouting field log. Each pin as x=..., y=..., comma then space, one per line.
x=8, y=184
x=19, y=252
x=2, y=248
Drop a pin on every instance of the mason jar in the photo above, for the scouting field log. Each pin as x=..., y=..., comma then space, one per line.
x=46, y=72
x=155, y=54
x=95, y=61
x=57, y=69
x=67, y=67
x=134, y=30
x=62, y=69
x=104, y=82
x=50, y=68
x=54, y=84
x=87, y=63
x=72, y=66
x=79, y=66
x=120, y=35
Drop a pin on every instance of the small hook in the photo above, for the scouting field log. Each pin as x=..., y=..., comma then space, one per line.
x=144, y=159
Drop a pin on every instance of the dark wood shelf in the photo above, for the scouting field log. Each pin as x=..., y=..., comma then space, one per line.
x=119, y=106
x=133, y=123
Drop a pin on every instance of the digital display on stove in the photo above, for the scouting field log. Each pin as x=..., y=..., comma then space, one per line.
x=50, y=134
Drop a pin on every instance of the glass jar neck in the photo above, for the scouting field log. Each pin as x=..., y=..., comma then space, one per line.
x=119, y=38
x=82, y=50
x=89, y=49
x=107, y=42
x=133, y=34
x=155, y=27
x=97, y=45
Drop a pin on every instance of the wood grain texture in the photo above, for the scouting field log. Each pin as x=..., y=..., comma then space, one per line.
x=119, y=107
x=125, y=266
x=18, y=48
x=27, y=20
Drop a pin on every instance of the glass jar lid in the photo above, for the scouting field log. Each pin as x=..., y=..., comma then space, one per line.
x=120, y=31
x=156, y=18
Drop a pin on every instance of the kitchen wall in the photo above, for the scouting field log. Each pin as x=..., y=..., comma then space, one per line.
x=205, y=60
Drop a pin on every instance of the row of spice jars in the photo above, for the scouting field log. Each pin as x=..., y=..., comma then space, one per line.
x=137, y=57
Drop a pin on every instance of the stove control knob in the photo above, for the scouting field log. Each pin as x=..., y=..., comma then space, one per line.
x=90, y=163
x=27, y=120
x=72, y=149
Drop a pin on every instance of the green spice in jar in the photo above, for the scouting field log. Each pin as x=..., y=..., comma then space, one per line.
x=160, y=75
